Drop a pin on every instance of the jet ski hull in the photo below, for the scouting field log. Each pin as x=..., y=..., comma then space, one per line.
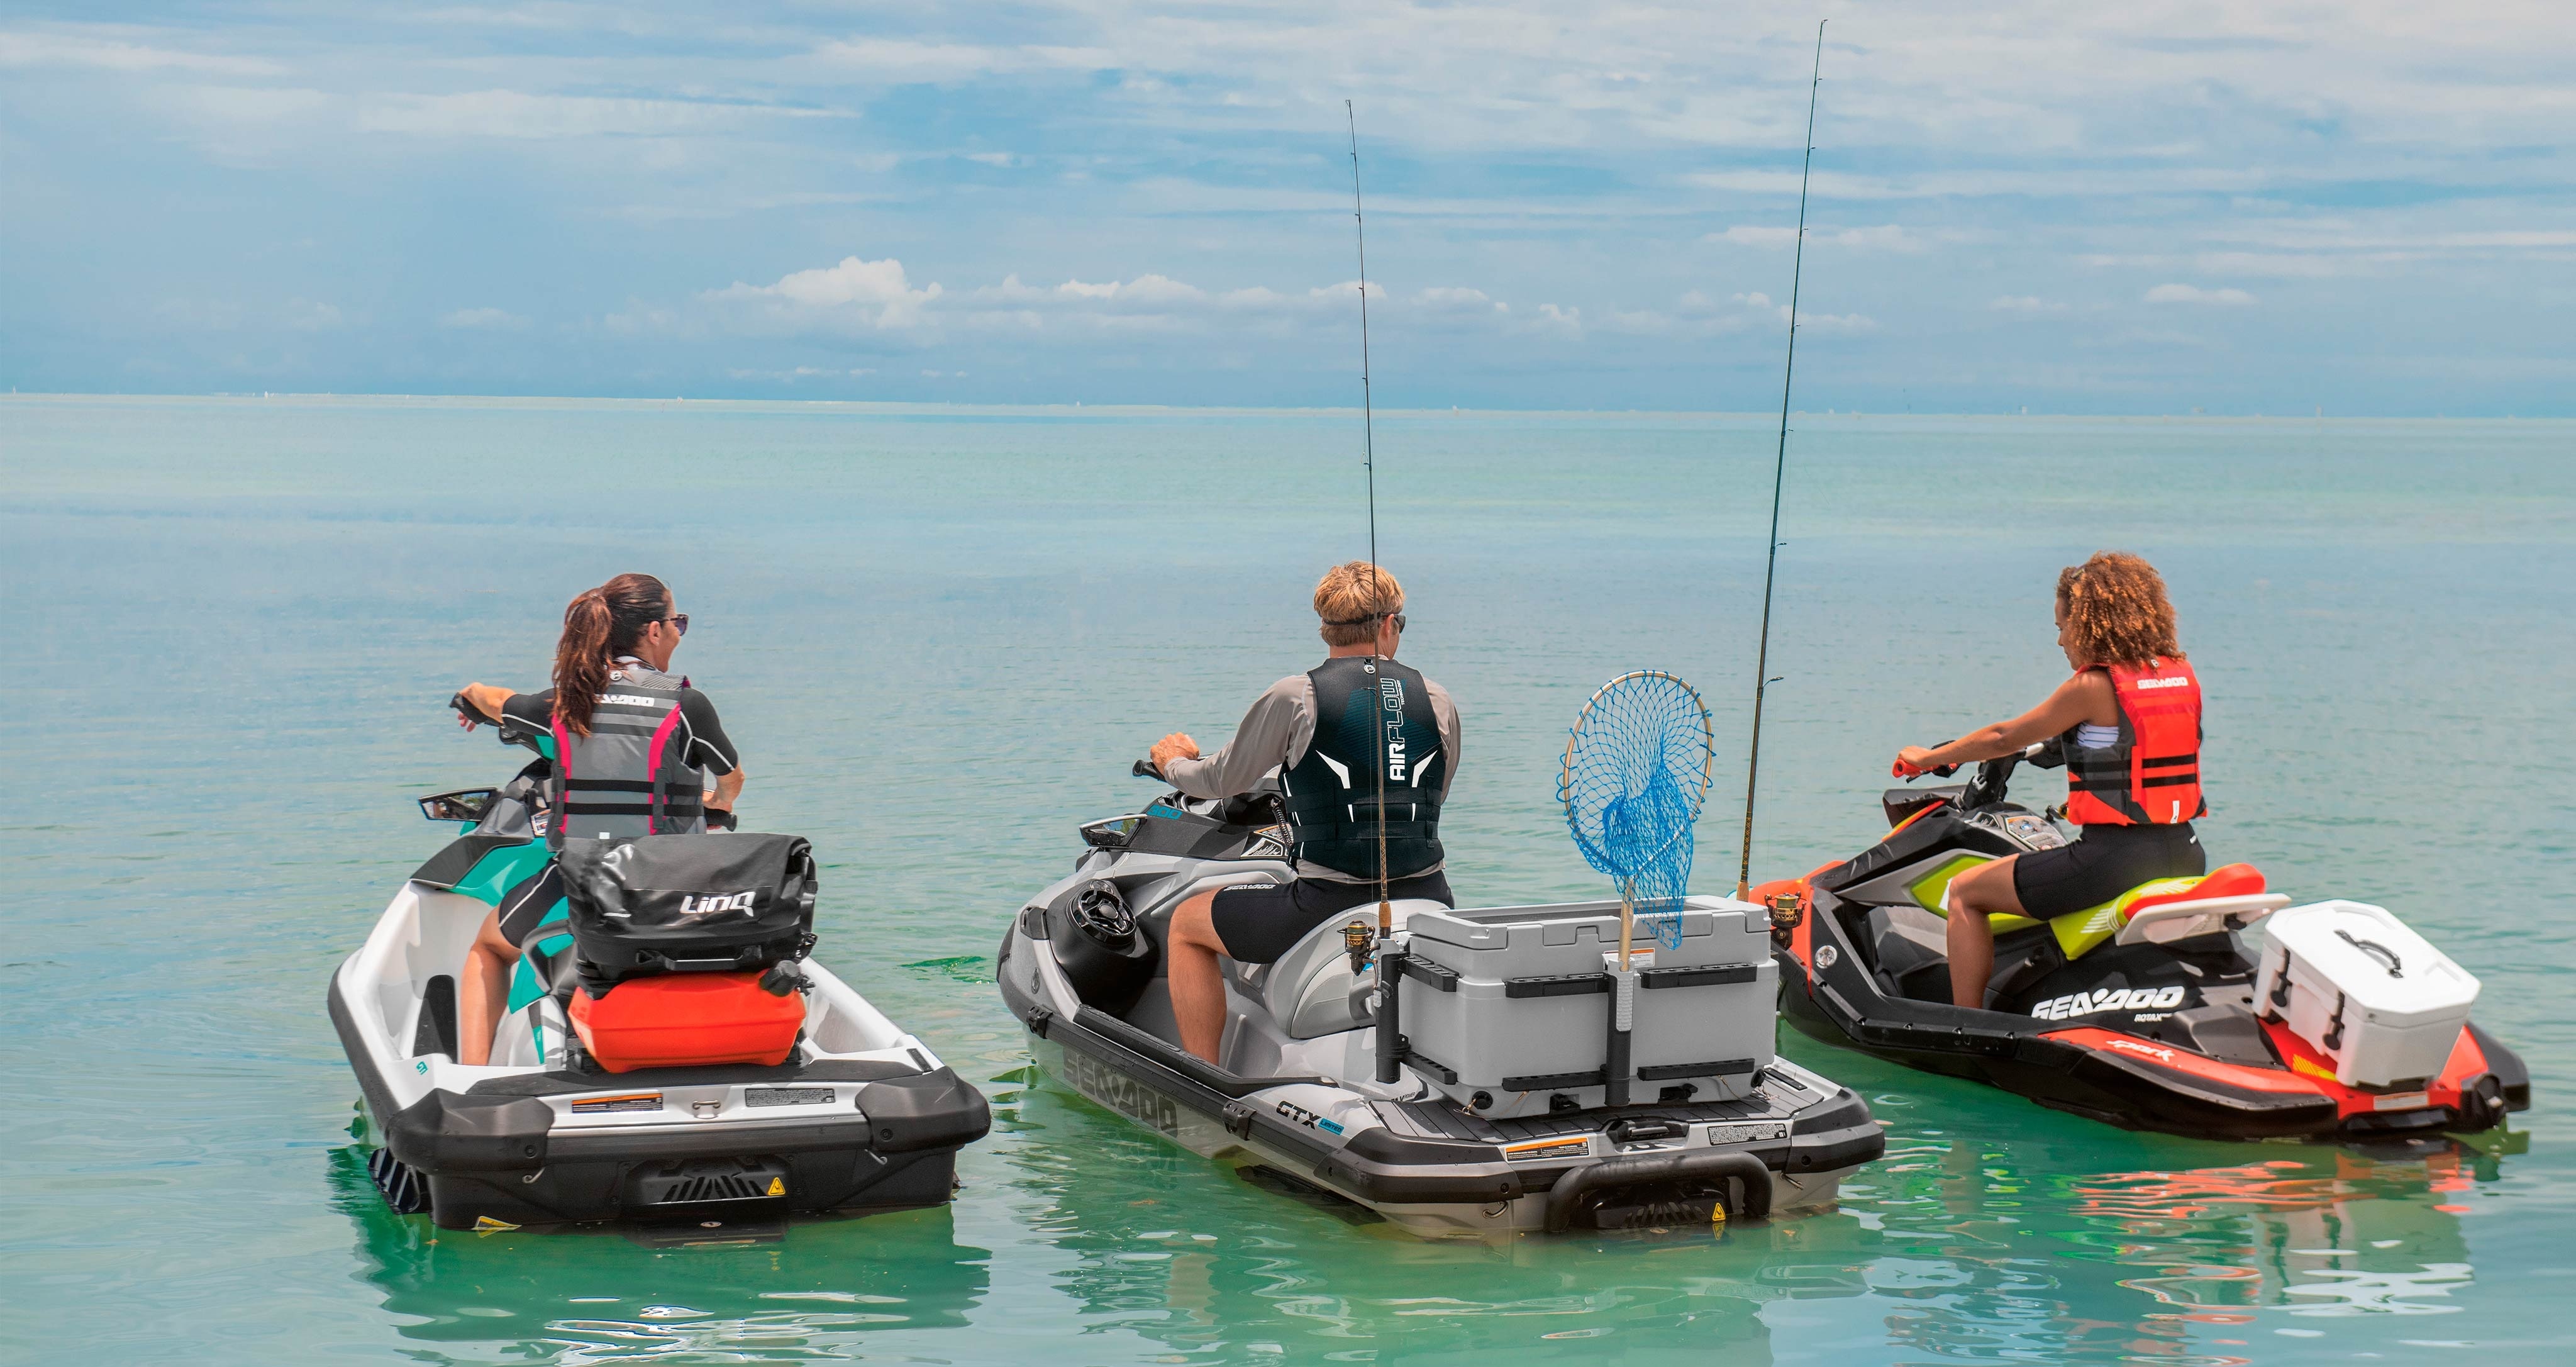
x=1438, y=1171
x=862, y=1117
x=2113, y=1069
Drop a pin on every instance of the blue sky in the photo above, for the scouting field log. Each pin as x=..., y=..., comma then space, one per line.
x=2364, y=207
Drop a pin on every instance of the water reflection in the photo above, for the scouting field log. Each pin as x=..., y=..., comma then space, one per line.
x=756, y=1293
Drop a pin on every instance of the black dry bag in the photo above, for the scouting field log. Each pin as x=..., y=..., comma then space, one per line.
x=687, y=904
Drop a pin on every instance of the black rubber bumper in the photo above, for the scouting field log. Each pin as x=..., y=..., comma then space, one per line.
x=1750, y=1180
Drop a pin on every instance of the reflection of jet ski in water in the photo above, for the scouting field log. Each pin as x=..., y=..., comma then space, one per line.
x=2149, y=1011
x=1497, y=1118
x=755, y=1086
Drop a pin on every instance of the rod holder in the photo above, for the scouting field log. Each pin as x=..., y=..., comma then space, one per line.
x=1390, y=1023
x=1623, y=1019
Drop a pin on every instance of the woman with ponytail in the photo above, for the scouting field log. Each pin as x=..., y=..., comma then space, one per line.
x=2129, y=725
x=631, y=746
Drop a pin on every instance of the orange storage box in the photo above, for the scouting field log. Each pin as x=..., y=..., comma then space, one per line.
x=681, y=1020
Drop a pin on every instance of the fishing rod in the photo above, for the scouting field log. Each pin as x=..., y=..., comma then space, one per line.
x=1779, y=468
x=1390, y=1056
x=1368, y=461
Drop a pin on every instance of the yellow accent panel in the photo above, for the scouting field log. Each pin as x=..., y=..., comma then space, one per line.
x=1926, y=891
x=2079, y=932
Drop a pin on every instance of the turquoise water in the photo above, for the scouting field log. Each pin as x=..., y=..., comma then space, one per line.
x=940, y=636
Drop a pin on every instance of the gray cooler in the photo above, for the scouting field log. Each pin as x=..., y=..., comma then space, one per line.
x=1514, y=1003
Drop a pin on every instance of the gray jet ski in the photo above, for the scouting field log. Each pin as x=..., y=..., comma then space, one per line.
x=1498, y=1120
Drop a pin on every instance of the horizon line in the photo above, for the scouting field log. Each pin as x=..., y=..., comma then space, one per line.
x=894, y=407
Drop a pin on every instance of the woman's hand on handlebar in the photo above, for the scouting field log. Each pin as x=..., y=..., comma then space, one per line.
x=479, y=705
x=1174, y=746
x=1914, y=762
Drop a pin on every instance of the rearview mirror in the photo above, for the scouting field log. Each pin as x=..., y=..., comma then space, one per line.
x=466, y=804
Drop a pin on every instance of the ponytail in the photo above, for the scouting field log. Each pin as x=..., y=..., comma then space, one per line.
x=599, y=624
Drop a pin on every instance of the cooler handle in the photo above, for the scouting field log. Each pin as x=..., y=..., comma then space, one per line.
x=2396, y=966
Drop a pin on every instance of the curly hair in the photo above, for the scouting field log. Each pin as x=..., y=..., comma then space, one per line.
x=2116, y=605
x=1351, y=597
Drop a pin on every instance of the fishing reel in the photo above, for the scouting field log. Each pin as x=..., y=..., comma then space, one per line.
x=1359, y=938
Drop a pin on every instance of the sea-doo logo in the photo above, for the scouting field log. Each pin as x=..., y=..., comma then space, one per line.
x=712, y=905
x=1121, y=1093
x=630, y=699
x=2164, y=683
x=2109, y=999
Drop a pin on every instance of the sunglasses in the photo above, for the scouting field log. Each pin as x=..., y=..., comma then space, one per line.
x=679, y=622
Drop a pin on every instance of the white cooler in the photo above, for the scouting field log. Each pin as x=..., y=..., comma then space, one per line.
x=1526, y=1017
x=2369, y=993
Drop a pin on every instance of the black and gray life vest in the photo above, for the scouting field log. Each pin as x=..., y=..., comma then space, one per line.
x=1366, y=708
x=628, y=777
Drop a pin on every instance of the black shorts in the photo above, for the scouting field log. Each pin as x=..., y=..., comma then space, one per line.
x=530, y=903
x=1258, y=922
x=2108, y=861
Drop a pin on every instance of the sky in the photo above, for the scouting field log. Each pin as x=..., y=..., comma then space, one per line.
x=2354, y=207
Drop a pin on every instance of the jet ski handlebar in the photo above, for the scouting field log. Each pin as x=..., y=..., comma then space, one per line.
x=1144, y=768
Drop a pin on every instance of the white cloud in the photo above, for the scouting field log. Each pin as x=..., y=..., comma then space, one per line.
x=518, y=114
x=2193, y=294
x=96, y=49
x=873, y=294
x=304, y=315
x=2025, y=305
x=494, y=320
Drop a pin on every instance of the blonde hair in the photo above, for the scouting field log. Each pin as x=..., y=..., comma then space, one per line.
x=1351, y=597
x=2116, y=606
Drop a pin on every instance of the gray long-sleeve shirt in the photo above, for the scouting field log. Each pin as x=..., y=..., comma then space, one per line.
x=1274, y=734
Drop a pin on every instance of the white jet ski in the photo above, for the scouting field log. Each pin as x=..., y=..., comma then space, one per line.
x=857, y=1114
x=1499, y=1117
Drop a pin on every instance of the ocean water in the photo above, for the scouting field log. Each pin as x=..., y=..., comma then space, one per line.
x=939, y=637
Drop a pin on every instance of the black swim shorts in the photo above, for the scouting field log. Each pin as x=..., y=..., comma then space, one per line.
x=2108, y=861
x=532, y=902
x=1258, y=922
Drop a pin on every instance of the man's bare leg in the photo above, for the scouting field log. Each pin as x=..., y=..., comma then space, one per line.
x=1198, y=985
x=1986, y=890
x=483, y=990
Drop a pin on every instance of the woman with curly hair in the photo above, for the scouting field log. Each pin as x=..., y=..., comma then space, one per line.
x=2130, y=723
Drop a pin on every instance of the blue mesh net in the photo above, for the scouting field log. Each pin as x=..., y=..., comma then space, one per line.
x=1636, y=771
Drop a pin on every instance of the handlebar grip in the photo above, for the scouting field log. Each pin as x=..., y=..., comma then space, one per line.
x=1144, y=768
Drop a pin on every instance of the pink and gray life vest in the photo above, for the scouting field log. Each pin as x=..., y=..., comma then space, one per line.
x=630, y=776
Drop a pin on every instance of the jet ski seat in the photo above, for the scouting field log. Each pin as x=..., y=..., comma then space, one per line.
x=2159, y=911
x=1310, y=991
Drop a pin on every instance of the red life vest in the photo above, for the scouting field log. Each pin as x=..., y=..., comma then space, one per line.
x=2151, y=775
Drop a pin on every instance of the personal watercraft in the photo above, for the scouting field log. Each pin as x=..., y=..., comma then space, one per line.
x=2155, y=1011
x=1497, y=1119
x=697, y=1096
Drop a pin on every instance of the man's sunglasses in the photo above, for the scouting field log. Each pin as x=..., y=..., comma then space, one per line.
x=1395, y=617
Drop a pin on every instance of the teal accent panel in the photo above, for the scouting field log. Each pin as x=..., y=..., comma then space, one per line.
x=524, y=985
x=501, y=870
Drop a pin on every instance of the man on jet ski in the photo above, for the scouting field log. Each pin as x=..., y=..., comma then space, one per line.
x=631, y=745
x=1324, y=732
x=2130, y=720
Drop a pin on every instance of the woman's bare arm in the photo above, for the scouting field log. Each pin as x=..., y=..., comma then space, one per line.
x=2086, y=697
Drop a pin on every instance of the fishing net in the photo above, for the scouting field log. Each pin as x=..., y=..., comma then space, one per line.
x=1636, y=771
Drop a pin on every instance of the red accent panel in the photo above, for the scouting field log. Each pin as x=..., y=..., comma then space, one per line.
x=2315, y=1067
x=685, y=1019
x=2183, y=1060
x=2227, y=880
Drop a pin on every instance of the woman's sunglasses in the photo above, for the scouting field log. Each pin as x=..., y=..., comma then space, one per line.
x=679, y=622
